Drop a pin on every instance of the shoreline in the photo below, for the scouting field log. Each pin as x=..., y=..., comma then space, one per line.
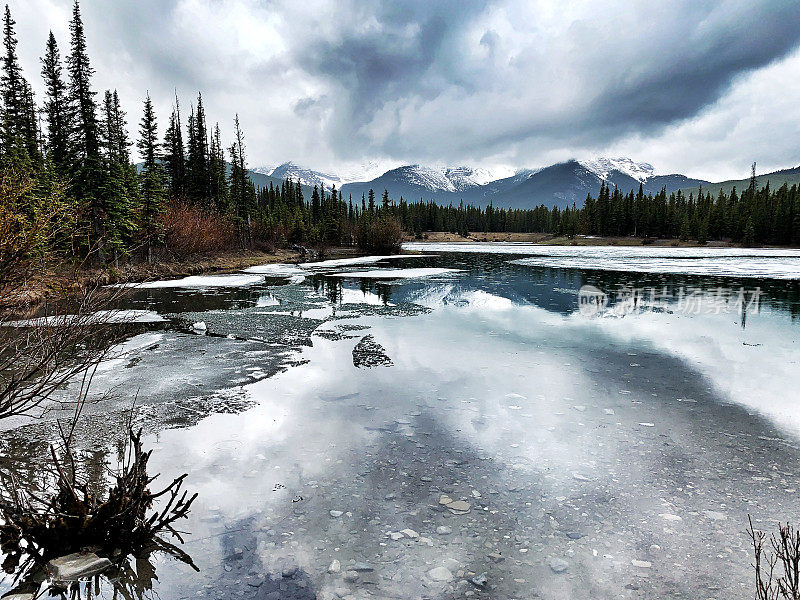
x=59, y=280
x=551, y=240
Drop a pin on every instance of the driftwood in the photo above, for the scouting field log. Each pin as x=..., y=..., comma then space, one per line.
x=70, y=517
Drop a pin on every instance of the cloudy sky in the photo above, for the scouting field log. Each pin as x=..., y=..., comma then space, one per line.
x=699, y=87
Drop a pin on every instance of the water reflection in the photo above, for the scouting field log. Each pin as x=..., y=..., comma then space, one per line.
x=646, y=436
x=131, y=579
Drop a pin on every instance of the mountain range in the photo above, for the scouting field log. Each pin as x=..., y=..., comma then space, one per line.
x=561, y=184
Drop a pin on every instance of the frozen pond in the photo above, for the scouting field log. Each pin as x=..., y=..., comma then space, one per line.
x=376, y=435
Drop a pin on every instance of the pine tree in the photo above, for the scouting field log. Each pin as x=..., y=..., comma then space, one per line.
x=119, y=188
x=18, y=131
x=57, y=110
x=87, y=182
x=152, y=177
x=218, y=172
x=174, y=154
x=316, y=206
x=197, y=163
x=241, y=188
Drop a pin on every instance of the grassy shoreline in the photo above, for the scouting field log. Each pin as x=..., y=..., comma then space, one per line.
x=58, y=280
x=547, y=239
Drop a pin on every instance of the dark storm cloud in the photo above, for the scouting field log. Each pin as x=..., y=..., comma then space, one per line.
x=618, y=71
x=708, y=54
x=395, y=56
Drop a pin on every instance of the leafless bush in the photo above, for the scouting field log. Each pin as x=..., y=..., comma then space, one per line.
x=64, y=343
x=782, y=553
x=189, y=230
x=382, y=236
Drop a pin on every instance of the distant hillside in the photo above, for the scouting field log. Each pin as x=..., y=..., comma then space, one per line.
x=776, y=180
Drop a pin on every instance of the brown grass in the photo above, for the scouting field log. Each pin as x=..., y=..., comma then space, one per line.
x=545, y=238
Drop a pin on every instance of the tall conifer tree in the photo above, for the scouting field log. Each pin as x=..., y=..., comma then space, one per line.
x=57, y=112
x=152, y=178
x=88, y=180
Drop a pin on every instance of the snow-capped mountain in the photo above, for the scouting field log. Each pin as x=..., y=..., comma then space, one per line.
x=463, y=178
x=306, y=176
x=561, y=184
x=603, y=167
x=413, y=182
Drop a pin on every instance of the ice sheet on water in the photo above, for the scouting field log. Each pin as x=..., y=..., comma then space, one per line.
x=714, y=266
x=202, y=281
x=276, y=269
x=119, y=353
x=599, y=251
x=721, y=262
x=356, y=260
x=395, y=273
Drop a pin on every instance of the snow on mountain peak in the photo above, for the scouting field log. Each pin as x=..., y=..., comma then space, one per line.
x=306, y=176
x=427, y=177
x=450, y=179
x=602, y=167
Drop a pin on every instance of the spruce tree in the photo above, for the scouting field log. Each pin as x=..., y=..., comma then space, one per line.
x=241, y=188
x=118, y=188
x=58, y=115
x=197, y=163
x=18, y=131
x=218, y=172
x=152, y=178
x=174, y=154
x=87, y=182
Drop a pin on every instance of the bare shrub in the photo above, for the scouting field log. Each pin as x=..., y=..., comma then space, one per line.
x=33, y=223
x=382, y=236
x=189, y=230
x=782, y=553
x=65, y=343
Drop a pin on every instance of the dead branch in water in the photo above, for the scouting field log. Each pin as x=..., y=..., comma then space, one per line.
x=39, y=526
x=784, y=552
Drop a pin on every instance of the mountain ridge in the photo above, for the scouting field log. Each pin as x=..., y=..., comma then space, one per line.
x=561, y=184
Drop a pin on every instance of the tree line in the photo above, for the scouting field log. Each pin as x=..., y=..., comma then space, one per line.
x=754, y=216
x=66, y=167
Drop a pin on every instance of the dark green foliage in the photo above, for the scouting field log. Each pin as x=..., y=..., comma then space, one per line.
x=119, y=190
x=198, y=180
x=174, y=156
x=242, y=192
x=57, y=110
x=18, y=129
x=152, y=178
x=217, y=172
